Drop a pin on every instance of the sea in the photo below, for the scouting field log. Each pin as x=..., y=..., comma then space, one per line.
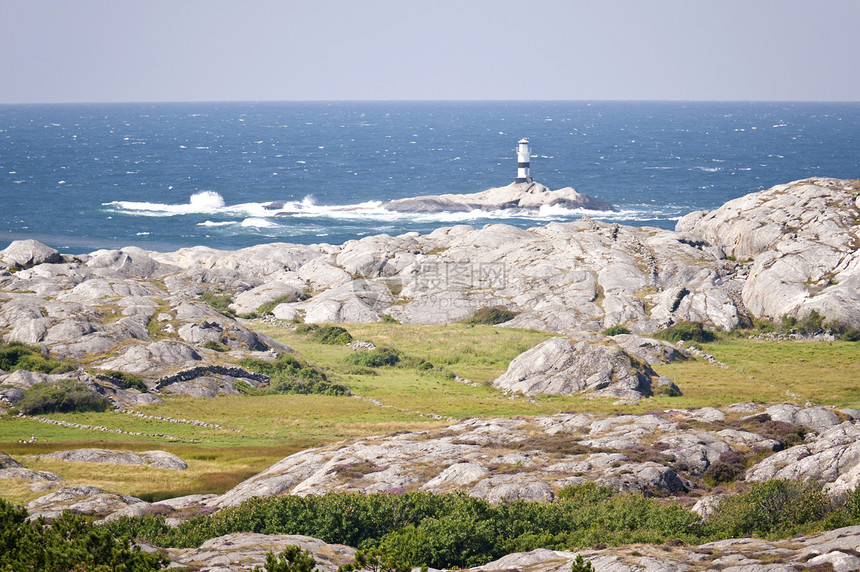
x=163, y=176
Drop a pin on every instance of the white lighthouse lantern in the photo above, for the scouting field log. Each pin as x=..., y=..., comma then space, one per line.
x=523, y=154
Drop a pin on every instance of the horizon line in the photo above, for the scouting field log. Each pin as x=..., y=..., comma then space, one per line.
x=324, y=101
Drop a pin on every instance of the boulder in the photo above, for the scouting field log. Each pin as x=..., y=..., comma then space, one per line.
x=7, y=462
x=155, y=459
x=86, y=500
x=560, y=367
x=26, y=253
x=154, y=357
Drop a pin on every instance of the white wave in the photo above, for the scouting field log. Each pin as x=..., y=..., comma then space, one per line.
x=204, y=202
x=212, y=223
x=258, y=223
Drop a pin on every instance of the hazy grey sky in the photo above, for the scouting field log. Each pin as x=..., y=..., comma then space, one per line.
x=213, y=50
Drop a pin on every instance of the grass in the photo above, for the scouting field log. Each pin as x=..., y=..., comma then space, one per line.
x=258, y=430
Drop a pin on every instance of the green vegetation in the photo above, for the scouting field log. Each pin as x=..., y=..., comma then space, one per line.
x=217, y=346
x=456, y=530
x=325, y=334
x=219, y=302
x=687, y=331
x=378, y=357
x=69, y=543
x=615, y=331
x=267, y=308
x=289, y=375
x=490, y=316
x=15, y=356
x=292, y=559
x=124, y=380
x=64, y=396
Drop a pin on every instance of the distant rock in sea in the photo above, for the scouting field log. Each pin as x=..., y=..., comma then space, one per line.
x=514, y=197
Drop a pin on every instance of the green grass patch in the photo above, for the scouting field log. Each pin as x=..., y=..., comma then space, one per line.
x=15, y=356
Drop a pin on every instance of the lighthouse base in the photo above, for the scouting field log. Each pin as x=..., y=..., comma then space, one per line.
x=523, y=180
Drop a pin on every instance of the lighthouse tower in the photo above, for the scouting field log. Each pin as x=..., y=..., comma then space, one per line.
x=523, y=154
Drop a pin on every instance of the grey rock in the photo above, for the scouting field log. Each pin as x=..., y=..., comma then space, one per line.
x=79, y=500
x=24, y=253
x=7, y=462
x=154, y=357
x=560, y=367
x=25, y=474
x=815, y=418
x=514, y=197
x=239, y=552
x=156, y=459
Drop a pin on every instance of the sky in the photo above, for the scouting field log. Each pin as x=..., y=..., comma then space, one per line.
x=54, y=51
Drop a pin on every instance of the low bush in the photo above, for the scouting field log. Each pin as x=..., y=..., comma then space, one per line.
x=327, y=334
x=379, y=357
x=218, y=347
x=687, y=331
x=69, y=543
x=615, y=331
x=219, y=302
x=124, y=380
x=775, y=508
x=727, y=468
x=65, y=396
x=15, y=356
x=491, y=315
x=289, y=375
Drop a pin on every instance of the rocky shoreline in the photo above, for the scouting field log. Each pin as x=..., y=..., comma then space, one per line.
x=786, y=251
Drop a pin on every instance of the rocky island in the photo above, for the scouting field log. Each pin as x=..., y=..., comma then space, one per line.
x=516, y=197
x=789, y=251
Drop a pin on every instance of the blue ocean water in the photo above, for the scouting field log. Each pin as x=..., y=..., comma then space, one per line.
x=164, y=176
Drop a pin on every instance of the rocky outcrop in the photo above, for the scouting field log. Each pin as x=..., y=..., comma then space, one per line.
x=533, y=458
x=86, y=500
x=514, y=197
x=155, y=459
x=244, y=550
x=141, y=312
x=561, y=367
x=26, y=253
x=803, y=240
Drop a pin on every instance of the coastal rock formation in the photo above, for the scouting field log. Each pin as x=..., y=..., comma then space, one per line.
x=560, y=367
x=153, y=314
x=510, y=459
x=803, y=240
x=155, y=459
x=514, y=197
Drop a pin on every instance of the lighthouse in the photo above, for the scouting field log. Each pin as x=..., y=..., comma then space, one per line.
x=523, y=154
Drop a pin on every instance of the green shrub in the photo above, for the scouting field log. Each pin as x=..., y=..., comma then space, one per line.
x=289, y=375
x=65, y=396
x=579, y=565
x=69, y=543
x=772, y=508
x=124, y=380
x=615, y=331
x=330, y=335
x=844, y=332
x=378, y=357
x=491, y=315
x=218, y=347
x=15, y=356
x=687, y=331
x=292, y=559
x=219, y=302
